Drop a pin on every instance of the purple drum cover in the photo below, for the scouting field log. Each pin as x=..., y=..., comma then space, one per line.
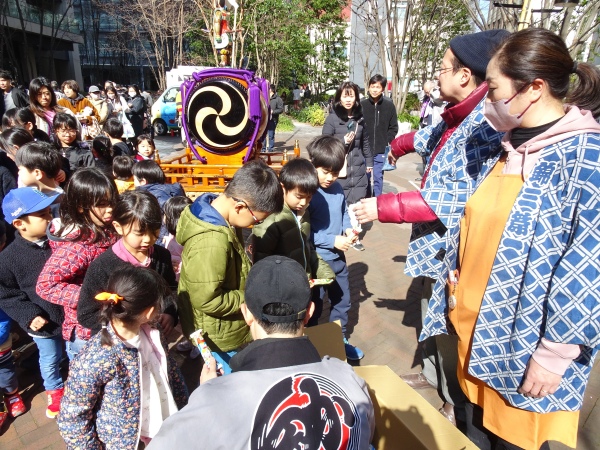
x=221, y=115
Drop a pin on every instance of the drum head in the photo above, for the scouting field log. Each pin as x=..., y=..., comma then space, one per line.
x=216, y=115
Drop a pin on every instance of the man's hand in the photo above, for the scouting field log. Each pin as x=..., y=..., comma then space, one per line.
x=167, y=322
x=538, y=382
x=37, y=323
x=366, y=210
x=209, y=371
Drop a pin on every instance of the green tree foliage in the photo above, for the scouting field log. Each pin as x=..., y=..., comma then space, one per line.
x=277, y=39
x=312, y=114
x=329, y=67
x=286, y=41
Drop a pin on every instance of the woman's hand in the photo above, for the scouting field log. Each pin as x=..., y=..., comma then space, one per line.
x=369, y=169
x=538, y=382
x=366, y=210
x=392, y=159
x=349, y=137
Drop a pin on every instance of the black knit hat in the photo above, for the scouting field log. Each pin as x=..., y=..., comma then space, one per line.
x=475, y=50
x=277, y=279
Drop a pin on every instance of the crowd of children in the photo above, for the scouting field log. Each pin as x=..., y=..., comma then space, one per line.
x=107, y=259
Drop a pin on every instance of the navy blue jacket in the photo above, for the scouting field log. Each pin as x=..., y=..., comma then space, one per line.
x=20, y=265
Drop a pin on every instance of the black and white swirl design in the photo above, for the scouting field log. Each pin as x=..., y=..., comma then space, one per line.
x=217, y=115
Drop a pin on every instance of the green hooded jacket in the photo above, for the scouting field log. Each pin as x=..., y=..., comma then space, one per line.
x=213, y=276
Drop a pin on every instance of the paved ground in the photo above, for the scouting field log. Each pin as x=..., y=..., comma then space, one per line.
x=384, y=319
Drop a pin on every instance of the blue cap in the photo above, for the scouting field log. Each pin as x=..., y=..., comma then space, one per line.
x=26, y=200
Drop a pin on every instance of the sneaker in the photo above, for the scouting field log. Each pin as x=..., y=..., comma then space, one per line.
x=195, y=353
x=358, y=246
x=14, y=404
x=54, y=398
x=3, y=414
x=353, y=353
x=184, y=346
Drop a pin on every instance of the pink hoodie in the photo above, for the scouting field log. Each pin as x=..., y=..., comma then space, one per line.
x=523, y=158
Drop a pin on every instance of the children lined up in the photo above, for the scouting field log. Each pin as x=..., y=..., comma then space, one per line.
x=82, y=233
x=137, y=219
x=102, y=239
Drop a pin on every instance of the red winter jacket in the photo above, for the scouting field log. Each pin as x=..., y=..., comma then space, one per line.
x=61, y=278
x=410, y=207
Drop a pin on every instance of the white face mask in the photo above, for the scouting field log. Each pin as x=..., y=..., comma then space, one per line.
x=499, y=117
x=435, y=94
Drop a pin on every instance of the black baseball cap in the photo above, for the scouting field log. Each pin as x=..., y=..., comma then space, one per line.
x=277, y=279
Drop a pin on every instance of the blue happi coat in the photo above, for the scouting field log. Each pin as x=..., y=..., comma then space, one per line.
x=449, y=184
x=545, y=280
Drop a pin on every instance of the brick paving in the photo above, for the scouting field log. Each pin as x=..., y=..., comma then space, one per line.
x=384, y=321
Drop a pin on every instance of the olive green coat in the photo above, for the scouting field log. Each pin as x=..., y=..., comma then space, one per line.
x=211, y=286
x=280, y=234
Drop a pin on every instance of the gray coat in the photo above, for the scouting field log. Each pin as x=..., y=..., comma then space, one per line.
x=358, y=153
x=232, y=411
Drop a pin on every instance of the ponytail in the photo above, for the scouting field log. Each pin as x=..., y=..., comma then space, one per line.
x=586, y=92
x=130, y=292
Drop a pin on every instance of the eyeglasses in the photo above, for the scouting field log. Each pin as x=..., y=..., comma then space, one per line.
x=66, y=131
x=256, y=221
x=441, y=70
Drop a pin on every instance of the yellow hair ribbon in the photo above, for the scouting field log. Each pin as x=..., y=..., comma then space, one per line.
x=108, y=297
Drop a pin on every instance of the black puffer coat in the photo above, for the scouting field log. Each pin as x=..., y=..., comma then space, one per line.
x=358, y=153
x=135, y=113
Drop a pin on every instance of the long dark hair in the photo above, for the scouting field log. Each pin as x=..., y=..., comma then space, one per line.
x=87, y=188
x=117, y=98
x=344, y=87
x=537, y=53
x=140, y=288
x=34, y=87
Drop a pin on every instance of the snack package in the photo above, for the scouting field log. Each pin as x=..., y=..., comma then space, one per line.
x=197, y=338
x=356, y=226
x=320, y=281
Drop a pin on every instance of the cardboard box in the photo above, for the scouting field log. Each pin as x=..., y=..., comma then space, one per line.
x=328, y=339
x=403, y=419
